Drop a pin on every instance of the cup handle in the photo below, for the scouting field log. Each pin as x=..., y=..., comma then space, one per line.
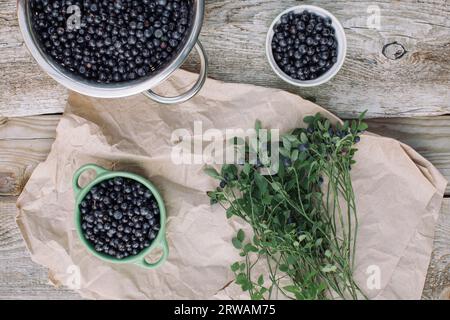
x=165, y=253
x=76, y=187
x=191, y=92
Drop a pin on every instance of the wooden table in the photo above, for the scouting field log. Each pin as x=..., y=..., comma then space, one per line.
x=399, y=73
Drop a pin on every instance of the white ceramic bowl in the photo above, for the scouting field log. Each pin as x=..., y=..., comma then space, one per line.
x=342, y=47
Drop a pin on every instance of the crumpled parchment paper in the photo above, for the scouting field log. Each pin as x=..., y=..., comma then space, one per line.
x=398, y=192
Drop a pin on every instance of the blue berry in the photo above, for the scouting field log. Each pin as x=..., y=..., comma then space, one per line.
x=304, y=45
x=119, y=217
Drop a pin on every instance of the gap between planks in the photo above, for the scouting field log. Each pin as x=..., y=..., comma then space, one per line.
x=20, y=277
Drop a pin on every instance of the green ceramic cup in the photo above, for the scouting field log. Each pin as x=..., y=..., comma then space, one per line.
x=103, y=174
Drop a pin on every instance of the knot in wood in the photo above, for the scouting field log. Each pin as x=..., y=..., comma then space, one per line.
x=394, y=51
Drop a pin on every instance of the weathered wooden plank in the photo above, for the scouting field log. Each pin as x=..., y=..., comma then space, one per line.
x=24, y=142
x=18, y=158
x=24, y=88
x=414, y=84
x=20, y=278
x=402, y=69
x=437, y=284
x=430, y=136
x=32, y=127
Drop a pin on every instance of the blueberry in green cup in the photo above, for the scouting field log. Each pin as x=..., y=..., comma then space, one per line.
x=120, y=217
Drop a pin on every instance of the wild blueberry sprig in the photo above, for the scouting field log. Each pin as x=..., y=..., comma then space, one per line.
x=303, y=217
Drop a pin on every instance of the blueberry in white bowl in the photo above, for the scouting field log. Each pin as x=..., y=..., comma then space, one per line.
x=306, y=46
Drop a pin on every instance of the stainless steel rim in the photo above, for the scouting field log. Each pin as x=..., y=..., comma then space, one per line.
x=93, y=89
x=191, y=92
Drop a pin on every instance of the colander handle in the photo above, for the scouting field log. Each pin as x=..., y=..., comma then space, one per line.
x=191, y=92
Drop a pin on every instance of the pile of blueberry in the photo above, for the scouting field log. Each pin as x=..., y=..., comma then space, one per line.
x=120, y=217
x=304, y=45
x=111, y=41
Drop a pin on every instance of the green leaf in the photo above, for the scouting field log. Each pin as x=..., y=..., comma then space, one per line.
x=246, y=286
x=247, y=168
x=303, y=138
x=241, y=278
x=257, y=296
x=291, y=260
x=346, y=125
x=363, y=114
x=229, y=171
x=230, y=212
x=320, y=125
x=287, y=144
x=329, y=268
x=309, y=119
x=261, y=183
x=236, y=243
x=294, y=155
x=241, y=235
x=363, y=126
x=276, y=186
x=235, y=267
x=319, y=242
x=284, y=267
x=261, y=280
x=210, y=171
x=250, y=248
x=291, y=289
x=291, y=137
x=267, y=199
x=285, y=152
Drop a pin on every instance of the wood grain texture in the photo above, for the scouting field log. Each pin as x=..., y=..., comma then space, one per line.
x=415, y=84
x=32, y=127
x=430, y=136
x=24, y=88
x=24, y=143
x=437, y=284
x=20, y=278
x=402, y=69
